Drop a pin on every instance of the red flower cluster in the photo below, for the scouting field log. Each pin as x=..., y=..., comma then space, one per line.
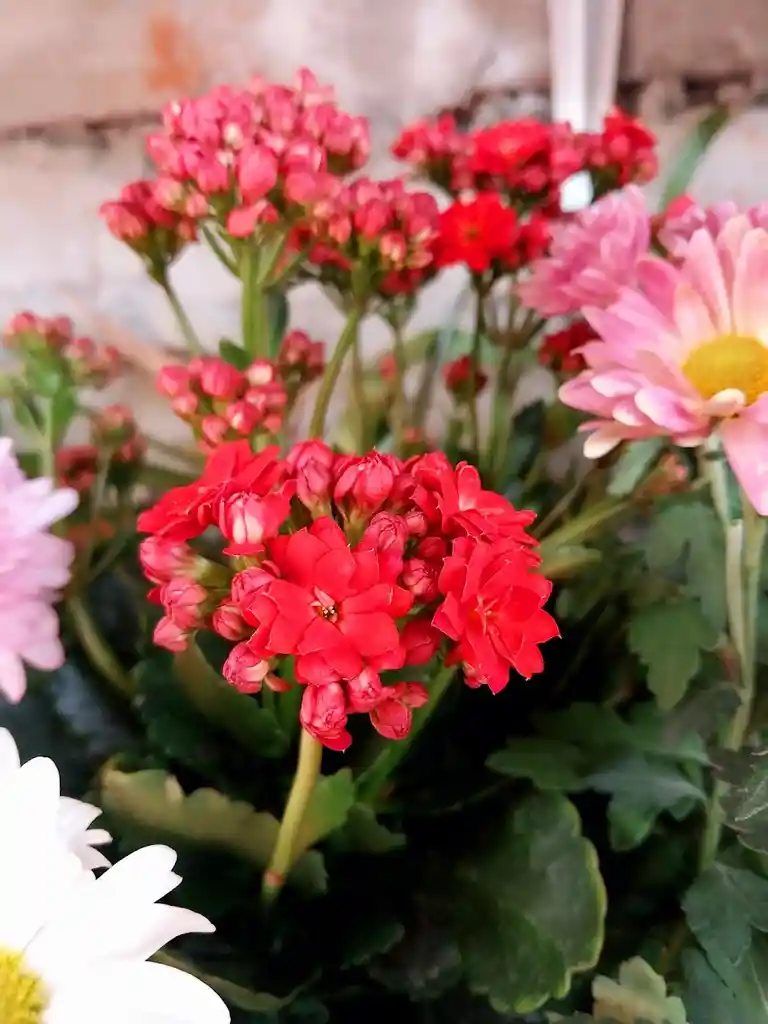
x=155, y=232
x=372, y=238
x=222, y=403
x=464, y=378
x=486, y=234
x=52, y=338
x=115, y=439
x=624, y=152
x=560, y=349
x=353, y=566
x=244, y=158
x=525, y=160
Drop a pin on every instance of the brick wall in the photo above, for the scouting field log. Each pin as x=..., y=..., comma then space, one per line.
x=69, y=63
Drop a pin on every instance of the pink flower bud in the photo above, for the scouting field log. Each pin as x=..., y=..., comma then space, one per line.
x=249, y=582
x=219, y=379
x=183, y=601
x=169, y=635
x=261, y=371
x=162, y=559
x=420, y=578
x=324, y=715
x=245, y=669
x=243, y=220
x=229, y=623
x=364, y=482
x=185, y=406
x=257, y=171
x=364, y=691
x=243, y=417
x=173, y=380
x=420, y=640
x=214, y=429
x=247, y=520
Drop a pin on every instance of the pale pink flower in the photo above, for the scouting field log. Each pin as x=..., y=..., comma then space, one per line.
x=34, y=566
x=684, y=354
x=677, y=228
x=592, y=255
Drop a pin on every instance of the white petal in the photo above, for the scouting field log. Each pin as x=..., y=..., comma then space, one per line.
x=144, y=993
x=9, y=754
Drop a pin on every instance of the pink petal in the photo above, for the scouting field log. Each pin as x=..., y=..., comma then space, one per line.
x=745, y=442
x=750, y=307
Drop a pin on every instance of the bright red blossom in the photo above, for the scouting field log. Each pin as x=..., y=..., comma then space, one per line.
x=493, y=609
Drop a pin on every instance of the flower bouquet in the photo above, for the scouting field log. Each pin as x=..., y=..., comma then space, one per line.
x=442, y=719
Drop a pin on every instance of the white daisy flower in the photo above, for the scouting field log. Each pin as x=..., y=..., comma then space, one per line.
x=74, y=816
x=73, y=947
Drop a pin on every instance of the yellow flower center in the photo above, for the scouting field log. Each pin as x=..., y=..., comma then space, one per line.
x=23, y=998
x=732, y=361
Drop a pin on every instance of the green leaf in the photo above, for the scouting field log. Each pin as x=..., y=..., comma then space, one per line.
x=633, y=465
x=236, y=714
x=551, y=764
x=668, y=639
x=722, y=907
x=278, y=312
x=687, y=537
x=707, y=998
x=746, y=800
x=330, y=804
x=638, y=997
x=640, y=790
x=521, y=938
x=234, y=354
x=362, y=832
x=63, y=407
x=154, y=802
x=718, y=992
x=694, y=147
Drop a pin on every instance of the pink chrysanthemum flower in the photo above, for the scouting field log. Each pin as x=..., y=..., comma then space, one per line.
x=678, y=227
x=592, y=255
x=685, y=353
x=34, y=566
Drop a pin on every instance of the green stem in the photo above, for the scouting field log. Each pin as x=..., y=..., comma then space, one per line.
x=47, y=443
x=307, y=773
x=254, y=316
x=370, y=782
x=333, y=369
x=98, y=650
x=477, y=348
x=586, y=523
x=358, y=398
x=398, y=400
x=744, y=540
x=193, y=343
x=218, y=250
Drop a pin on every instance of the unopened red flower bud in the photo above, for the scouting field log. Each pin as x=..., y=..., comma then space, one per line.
x=170, y=635
x=257, y=170
x=173, y=380
x=260, y=372
x=185, y=405
x=420, y=640
x=219, y=379
x=183, y=600
x=363, y=483
x=324, y=715
x=229, y=623
x=214, y=429
x=162, y=559
x=245, y=669
x=393, y=716
x=364, y=691
x=463, y=378
x=420, y=577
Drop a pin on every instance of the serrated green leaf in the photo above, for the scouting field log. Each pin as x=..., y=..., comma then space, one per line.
x=668, y=639
x=746, y=799
x=707, y=998
x=549, y=763
x=520, y=940
x=739, y=993
x=362, y=832
x=330, y=804
x=638, y=997
x=722, y=907
x=634, y=464
x=153, y=801
x=237, y=714
x=688, y=537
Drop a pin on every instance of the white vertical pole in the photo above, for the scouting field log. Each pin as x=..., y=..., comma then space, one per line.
x=584, y=43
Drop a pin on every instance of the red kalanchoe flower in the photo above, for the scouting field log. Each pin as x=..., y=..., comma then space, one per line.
x=560, y=349
x=477, y=232
x=455, y=502
x=623, y=153
x=493, y=610
x=464, y=378
x=186, y=512
x=332, y=607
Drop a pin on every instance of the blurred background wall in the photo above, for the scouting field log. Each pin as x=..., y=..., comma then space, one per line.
x=82, y=80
